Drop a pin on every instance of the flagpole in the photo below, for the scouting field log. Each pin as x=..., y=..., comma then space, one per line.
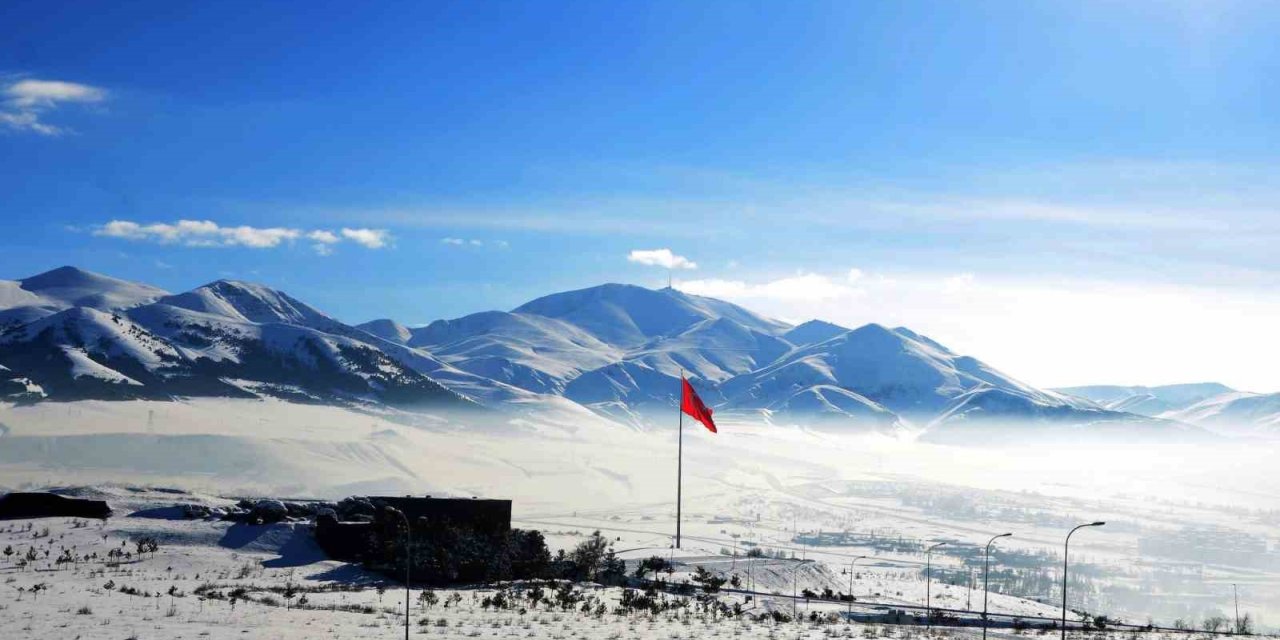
x=680, y=457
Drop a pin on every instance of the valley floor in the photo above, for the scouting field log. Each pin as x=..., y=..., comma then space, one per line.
x=1184, y=523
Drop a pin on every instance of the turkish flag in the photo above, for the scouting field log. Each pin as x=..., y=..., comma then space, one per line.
x=691, y=404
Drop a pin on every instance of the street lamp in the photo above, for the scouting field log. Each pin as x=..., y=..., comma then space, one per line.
x=928, y=584
x=408, y=562
x=853, y=562
x=986, y=580
x=1065, y=548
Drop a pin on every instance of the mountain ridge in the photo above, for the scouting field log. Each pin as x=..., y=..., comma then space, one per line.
x=616, y=349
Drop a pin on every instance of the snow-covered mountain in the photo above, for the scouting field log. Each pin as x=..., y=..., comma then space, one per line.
x=874, y=371
x=1148, y=401
x=1209, y=404
x=16, y=388
x=229, y=339
x=629, y=316
x=387, y=330
x=621, y=350
x=30, y=299
x=528, y=351
x=616, y=349
x=1234, y=409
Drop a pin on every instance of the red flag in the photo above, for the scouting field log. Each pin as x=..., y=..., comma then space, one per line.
x=691, y=404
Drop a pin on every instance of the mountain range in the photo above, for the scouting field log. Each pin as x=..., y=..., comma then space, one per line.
x=616, y=349
x=1204, y=403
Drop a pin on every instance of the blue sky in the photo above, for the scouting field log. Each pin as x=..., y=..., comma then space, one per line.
x=1063, y=189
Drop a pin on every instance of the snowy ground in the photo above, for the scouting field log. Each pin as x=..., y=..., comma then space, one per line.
x=169, y=593
x=570, y=473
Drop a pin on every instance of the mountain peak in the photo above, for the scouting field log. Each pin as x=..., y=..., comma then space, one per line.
x=66, y=276
x=70, y=286
x=624, y=314
x=387, y=329
x=248, y=301
x=813, y=332
x=63, y=274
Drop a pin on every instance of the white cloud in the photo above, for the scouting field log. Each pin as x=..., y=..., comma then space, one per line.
x=660, y=258
x=323, y=241
x=47, y=93
x=198, y=233
x=207, y=233
x=457, y=242
x=368, y=238
x=855, y=274
x=25, y=101
x=323, y=237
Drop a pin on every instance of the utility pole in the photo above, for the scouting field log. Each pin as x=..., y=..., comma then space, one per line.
x=968, y=601
x=928, y=584
x=986, y=580
x=1065, y=548
x=1236, y=589
x=795, y=571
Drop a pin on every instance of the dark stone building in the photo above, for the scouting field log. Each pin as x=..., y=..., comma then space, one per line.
x=15, y=506
x=487, y=516
x=361, y=522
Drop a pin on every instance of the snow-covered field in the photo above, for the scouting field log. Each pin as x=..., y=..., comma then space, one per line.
x=774, y=487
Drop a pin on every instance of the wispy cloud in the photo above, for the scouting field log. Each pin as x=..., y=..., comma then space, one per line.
x=207, y=233
x=26, y=101
x=660, y=258
x=474, y=242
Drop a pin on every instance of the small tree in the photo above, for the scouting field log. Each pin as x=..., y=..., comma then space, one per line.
x=651, y=564
x=428, y=599
x=1213, y=624
x=587, y=556
x=8, y=552
x=710, y=582
x=612, y=570
x=1245, y=625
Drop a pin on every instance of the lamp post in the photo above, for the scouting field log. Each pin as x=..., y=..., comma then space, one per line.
x=408, y=562
x=928, y=585
x=851, y=563
x=1066, y=546
x=986, y=580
